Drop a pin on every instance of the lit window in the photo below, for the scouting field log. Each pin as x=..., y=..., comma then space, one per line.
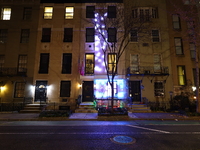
x=25, y=35
x=181, y=75
x=19, y=89
x=22, y=63
x=192, y=50
x=158, y=88
x=3, y=35
x=176, y=21
x=48, y=12
x=178, y=46
x=155, y=36
x=112, y=63
x=157, y=63
x=69, y=12
x=5, y=13
x=89, y=64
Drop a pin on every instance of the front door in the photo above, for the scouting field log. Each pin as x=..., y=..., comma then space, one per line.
x=40, y=91
x=135, y=91
x=87, y=91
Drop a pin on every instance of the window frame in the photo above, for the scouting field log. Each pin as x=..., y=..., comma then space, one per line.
x=90, y=11
x=192, y=50
x=65, y=88
x=159, y=89
x=6, y=15
x=112, y=12
x=134, y=35
x=178, y=46
x=44, y=63
x=176, y=22
x=155, y=35
x=19, y=89
x=113, y=64
x=22, y=63
x=25, y=33
x=181, y=76
x=2, y=61
x=90, y=33
x=112, y=35
x=68, y=35
x=157, y=64
x=89, y=63
x=46, y=35
x=27, y=14
x=69, y=14
x=66, y=63
x=134, y=63
x=48, y=14
x=3, y=35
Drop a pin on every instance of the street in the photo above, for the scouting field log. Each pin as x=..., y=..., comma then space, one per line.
x=99, y=135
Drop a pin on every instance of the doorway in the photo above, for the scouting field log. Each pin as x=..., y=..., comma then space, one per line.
x=40, y=91
x=87, y=91
x=135, y=91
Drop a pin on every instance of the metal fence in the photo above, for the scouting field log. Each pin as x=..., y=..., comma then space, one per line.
x=5, y=107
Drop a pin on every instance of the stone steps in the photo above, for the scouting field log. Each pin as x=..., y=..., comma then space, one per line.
x=86, y=107
x=139, y=108
x=32, y=108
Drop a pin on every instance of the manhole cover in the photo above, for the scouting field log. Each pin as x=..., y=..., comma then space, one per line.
x=123, y=139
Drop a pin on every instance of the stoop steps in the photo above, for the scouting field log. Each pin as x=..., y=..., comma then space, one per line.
x=140, y=108
x=86, y=107
x=31, y=108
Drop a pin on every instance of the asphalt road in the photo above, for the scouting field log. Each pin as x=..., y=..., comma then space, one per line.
x=99, y=135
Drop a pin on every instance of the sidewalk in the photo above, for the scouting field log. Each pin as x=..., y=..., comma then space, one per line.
x=15, y=116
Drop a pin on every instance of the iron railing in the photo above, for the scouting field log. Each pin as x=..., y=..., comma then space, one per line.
x=13, y=72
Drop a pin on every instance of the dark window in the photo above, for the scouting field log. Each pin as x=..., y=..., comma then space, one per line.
x=112, y=32
x=65, y=88
x=68, y=35
x=27, y=13
x=44, y=63
x=67, y=63
x=111, y=11
x=178, y=45
x=134, y=36
x=89, y=63
x=19, y=89
x=22, y=63
x=176, y=21
x=192, y=50
x=3, y=35
x=155, y=36
x=25, y=36
x=90, y=11
x=158, y=88
x=46, y=35
x=89, y=34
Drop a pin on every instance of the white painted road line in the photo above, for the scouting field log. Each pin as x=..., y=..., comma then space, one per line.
x=161, y=131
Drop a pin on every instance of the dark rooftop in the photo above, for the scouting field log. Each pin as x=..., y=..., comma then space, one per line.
x=81, y=1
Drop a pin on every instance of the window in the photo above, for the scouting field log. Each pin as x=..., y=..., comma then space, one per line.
x=112, y=63
x=89, y=63
x=109, y=89
x=48, y=12
x=195, y=76
x=90, y=11
x=111, y=11
x=89, y=34
x=65, y=88
x=176, y=21
x=67, y=63
x=178, y=46
x=192, y=50
x=191, y=28
x=46, y=35
x=134, y=36
x=158, y=88
x=44, y=63
x=145, y=13
x=27, y=13
x=19, y=89
x=68, y=35
x=2, y=61
x=155, y=36
x=3, y=35
x=69, y=12
x=157, y=63
x=134, y=63
x=25, y=36
x=22, y=63
x=112, y=35
x=5, y=13
x=181, y=75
